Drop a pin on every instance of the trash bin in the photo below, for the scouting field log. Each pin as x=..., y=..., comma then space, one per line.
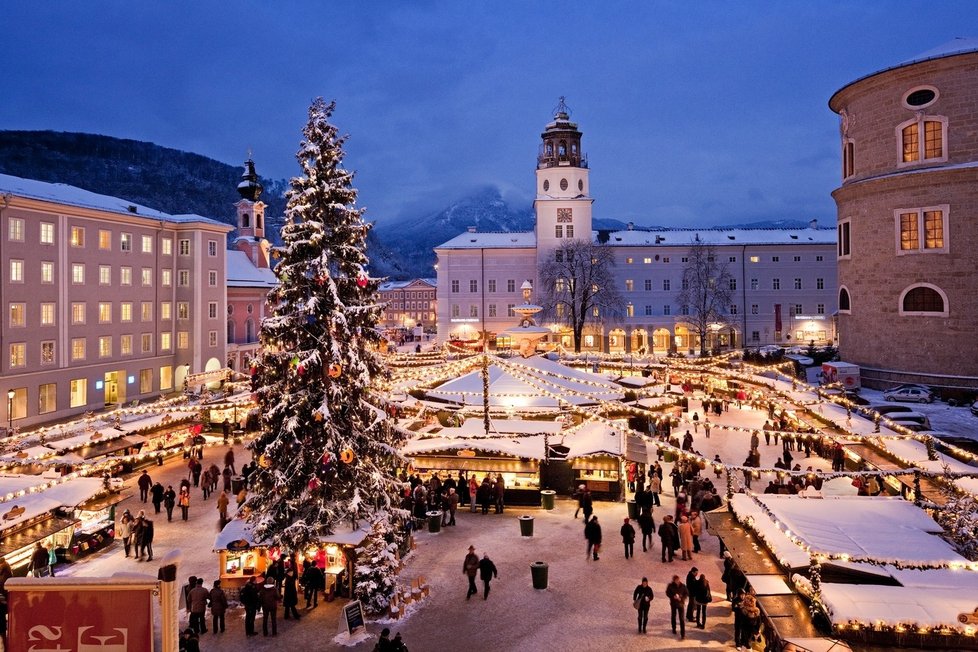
x=539, y=570
x=526, y=526
x=237, y=484
x=547, y=498
x=632, y=509
x=434, y=520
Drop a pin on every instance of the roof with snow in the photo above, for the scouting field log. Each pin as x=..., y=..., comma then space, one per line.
x=493, y=240
x=719, y=237
x=61, y=193
x=956, y=46
x=242, y=273
x=388, y=286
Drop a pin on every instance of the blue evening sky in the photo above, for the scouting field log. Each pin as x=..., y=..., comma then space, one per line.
x=692, y=112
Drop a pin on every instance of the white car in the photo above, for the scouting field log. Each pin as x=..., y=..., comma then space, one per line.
x=914, y=394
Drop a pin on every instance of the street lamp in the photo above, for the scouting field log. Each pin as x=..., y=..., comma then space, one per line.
x=10, y=410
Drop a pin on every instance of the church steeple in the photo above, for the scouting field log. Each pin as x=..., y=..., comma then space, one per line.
x=561, y=141
x=250, y=187
x=251, y=210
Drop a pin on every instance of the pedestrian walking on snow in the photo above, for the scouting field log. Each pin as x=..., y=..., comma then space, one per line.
x=184, y=501
x=669, y=537
x=222, y=506
x=700, y=594
x=642, y=598
x=144, y=482
x=487, y=571
x=677, y=594
x=628, y=538
x=470, y=567
x=169, y=501
x=219, y=604
x=647, y=524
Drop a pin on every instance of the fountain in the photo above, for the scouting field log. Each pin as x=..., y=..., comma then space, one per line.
x=526, y=334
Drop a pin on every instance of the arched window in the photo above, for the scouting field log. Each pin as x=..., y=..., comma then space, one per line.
x=230, y=332
x=249, y=331
x=562, y=149
x=245, y=221
x=922, y=139
x=923, y=299
x=844, y=302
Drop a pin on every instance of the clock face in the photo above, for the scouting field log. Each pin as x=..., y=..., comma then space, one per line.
x=546, y=185
x=565, y=215
x=563, y=184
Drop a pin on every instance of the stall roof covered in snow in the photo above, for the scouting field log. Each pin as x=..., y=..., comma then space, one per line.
x=527, y=438
x=72, y=196
x=239, y=529
x=596, y=438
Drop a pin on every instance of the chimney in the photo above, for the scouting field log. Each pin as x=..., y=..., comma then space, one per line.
x=813, y=224
x=472, y=229
x=631, y=226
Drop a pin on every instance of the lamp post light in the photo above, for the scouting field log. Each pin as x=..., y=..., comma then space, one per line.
x=10, y=410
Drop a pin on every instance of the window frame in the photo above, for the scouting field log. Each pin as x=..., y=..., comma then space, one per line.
x=920, y=120
x=844, y=311
x=843, y=249
x=944, y=209
x=921, y=313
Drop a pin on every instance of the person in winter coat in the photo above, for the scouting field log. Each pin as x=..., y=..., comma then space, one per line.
x=226, y=474
x=487, y=571
x=313, y=582
x=144, y=483
x=219, y=604
x=747, y=619
x=6, y=572
x=701, y=597
x=169, y=501
x=669, y=537
x=450, y=501
x=470, y=567
x=499, y=494
x=655, y=487
x=690, y=584
x=290, y=596
x=628, y=538
x=643, y=596
x=145, y=543
x=184, y=502
x=647, y=524
x=473, y=492
x=587, y=504
x=197, y=599
x=205, y=483
x=251, y=600
x=678, y=594
x=592, y=532
x=229, y=459
x=696, y=527
x=686, y=538
x=485, y=495
x=157, y=492
x=269, y=608
x=124, y=531
x=222, y=506
x=189, y=641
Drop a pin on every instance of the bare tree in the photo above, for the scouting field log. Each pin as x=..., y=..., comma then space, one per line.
x=706, y=290
x=578, y=286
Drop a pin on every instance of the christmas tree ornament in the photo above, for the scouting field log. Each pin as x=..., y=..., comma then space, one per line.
x=362, y=281
x=313, y=484
x=335, y=370
x=347, y=456
x=318, y=416
x=301, y=369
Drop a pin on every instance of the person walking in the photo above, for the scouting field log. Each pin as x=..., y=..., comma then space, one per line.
x=701, y=595
x=144, y=483
x=251, y=600
x=124, y=531
x=690, y=585
x=269, y=608
x=487, y=571
x=226, y=475
x=219, y=604
x=647, y=524
x=677, y=594
x=747, y=619
x=579, y=494
x=592, y=532
x=137, y=536
x=470, y=567
x=485, y=495
x=157, y=492
x=229, y=460
x=449, y=506
x=313, y=581
x=655, y=487
x=290, y=595
x=226, y=430
x=696, y=529
x=169, y=501
x=669, y=538
x=473, y=492
x=222, y=506
x=184, y=501
x=628, y=539
x=587, y=504
x=685, y=538
x=146, y=541
x=642, y=598
x=198, y=607
x=205, y=483
x=39, y=561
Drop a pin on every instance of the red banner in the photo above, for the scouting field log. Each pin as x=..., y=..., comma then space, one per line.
x=81, y=619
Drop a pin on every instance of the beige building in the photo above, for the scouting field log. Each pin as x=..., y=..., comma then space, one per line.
x=908, y=219
x=409, y=304
x=105, y=301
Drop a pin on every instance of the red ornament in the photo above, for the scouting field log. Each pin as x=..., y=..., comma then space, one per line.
x=314, y=484
x=301, y=370
x=254, y=370
x=362, y=281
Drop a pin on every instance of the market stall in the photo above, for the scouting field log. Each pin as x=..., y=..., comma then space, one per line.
x=599, y=455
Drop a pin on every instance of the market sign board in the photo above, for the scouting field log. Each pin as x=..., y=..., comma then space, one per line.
x=63, y=615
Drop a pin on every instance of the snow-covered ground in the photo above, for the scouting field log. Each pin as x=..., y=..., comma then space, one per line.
x=957, y=421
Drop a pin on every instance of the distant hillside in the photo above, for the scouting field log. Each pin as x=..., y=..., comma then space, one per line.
x=166, y=179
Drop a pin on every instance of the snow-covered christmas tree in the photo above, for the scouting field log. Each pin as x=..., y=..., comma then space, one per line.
x=375, y=575
x=326, y=456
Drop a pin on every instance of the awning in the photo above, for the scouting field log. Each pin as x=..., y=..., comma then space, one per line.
x=106, y=447
x=455, y=463
x=29, y=536
x=595, y=463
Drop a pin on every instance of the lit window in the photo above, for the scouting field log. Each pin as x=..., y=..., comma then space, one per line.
x=78, y=273
x=18, y=355
x=125, y=242
x=629, y=260
x=47, y=314
x=934, y=130
x=629, y=285
x=183, y=340
x=78, y=312
x=47, y=272
x=145, y=381
x=146, y=311
x=183, y=310
x=104, y=275
x=16, y=271
x=147, y=244
x=147, y=276
x=165, y=342
x=166, y=310
x=105, y=346
x=104, y=239
x=15, y=229
x=166, y=278
x=922, y=230
x=166, y=378
x=78, y=348
x=125, y=345
x=630, y=310
x=47, y=352
x=77, y=236
x=755, y=259
x=47, y=398
x=166, y=247
x=78, y=393
x=125, y=276
x=104, y=313
x=647, y=261
x=184, y=248
x=47, y=233
x=125, y=311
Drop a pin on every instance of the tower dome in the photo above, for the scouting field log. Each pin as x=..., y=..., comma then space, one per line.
x=561, y=141
x=250, y=187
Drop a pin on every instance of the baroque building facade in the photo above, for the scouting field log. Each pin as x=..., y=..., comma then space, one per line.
x=784, y=284
x=908, y=219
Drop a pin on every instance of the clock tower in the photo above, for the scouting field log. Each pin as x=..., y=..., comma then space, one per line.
x=563, y=201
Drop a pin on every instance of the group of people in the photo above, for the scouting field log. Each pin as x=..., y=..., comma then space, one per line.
x=420, y=497
x=136, y=534
x=687, y=601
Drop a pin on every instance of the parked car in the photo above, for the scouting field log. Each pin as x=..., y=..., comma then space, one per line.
x=886, y=409
x=912, y=394
x=907, y=386
x=907, y=418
